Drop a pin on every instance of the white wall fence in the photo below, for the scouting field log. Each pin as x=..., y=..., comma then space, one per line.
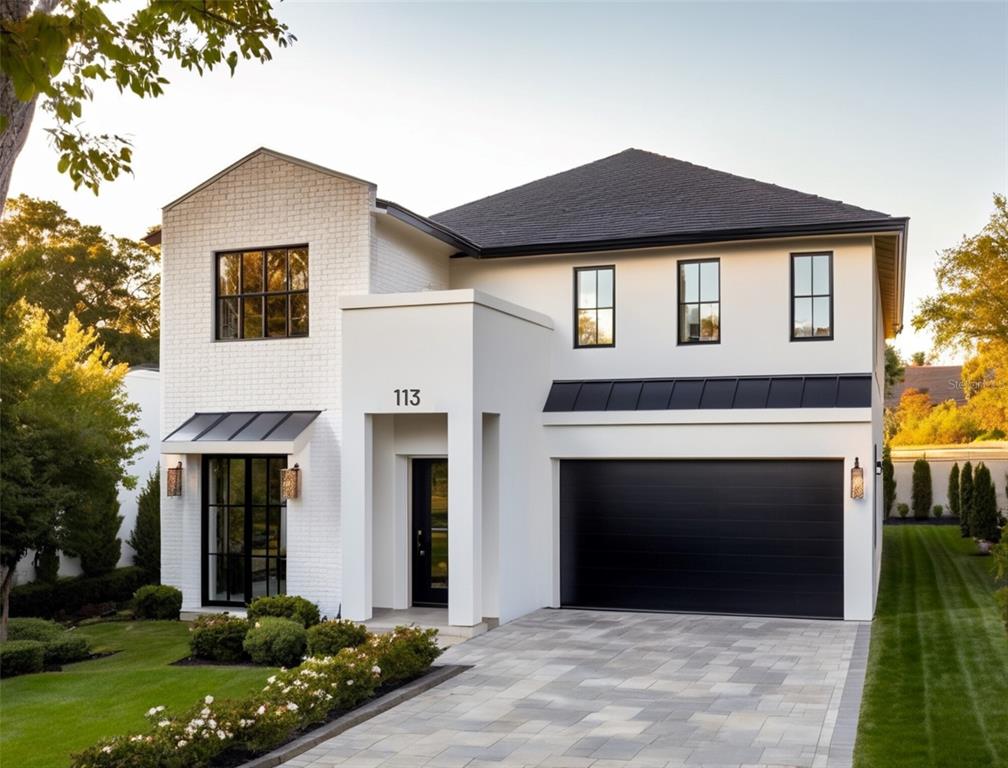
x=993, y=454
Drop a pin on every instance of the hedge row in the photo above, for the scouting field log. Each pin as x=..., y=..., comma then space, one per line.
x=69, y=597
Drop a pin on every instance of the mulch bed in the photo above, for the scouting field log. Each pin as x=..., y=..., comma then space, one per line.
x=914, y=521
x=192, y=661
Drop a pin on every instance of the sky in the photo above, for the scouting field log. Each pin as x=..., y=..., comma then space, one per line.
x=897, y=107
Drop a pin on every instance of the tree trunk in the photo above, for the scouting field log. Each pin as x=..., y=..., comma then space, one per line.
x=8, y=581
x=19, y=113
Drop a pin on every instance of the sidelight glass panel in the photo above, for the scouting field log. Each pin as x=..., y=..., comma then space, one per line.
x=439, y=494
x=439, y=560
x=273, y=538
x=217, y=492
x=228, y=271
x=252, y=272
x=260, y=576
x=276, y=271
x=605, y=326
x=275, y=465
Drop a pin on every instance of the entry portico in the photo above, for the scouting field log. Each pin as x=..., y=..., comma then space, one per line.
x=455, y=374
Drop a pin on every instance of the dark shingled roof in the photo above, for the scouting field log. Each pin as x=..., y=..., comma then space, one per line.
x=940, y=382
x=636, y=195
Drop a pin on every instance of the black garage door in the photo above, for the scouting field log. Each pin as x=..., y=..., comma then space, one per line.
x=747, y=537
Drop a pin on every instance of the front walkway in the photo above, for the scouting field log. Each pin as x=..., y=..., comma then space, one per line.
x=572, y=689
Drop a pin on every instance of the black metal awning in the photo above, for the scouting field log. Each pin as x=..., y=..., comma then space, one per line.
x=242, y=427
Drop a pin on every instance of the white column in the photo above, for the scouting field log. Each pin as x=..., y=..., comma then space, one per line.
x=355, y=514
x=465, y=501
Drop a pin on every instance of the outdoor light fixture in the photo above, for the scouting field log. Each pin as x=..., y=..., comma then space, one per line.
x=175, y=480
x=290, y=482
x=878, y=468
x=856, y=481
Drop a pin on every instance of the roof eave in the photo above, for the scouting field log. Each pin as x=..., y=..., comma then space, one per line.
x=430, y=227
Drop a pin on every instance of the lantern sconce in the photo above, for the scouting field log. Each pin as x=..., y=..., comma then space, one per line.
x=290, y=482
x=856, y=481
x=175, y=480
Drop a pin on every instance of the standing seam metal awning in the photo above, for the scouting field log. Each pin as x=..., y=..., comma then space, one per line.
x=239, y=431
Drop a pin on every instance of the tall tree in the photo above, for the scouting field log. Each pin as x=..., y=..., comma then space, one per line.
x=894, y=367
x=953, y=490
x=110, y=283
x=965, y=499
x=146, y=536
x=69, y=431
x=53, y=53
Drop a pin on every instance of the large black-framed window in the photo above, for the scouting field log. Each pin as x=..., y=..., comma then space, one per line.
x=811, y=296
x=244, y=539
x=262, y=293
x=699, y=301
x=595, y=306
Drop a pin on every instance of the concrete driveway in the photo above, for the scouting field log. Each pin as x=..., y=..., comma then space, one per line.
x=571, y=689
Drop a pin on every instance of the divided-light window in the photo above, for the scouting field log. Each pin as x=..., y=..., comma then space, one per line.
x=595, y=306
x=262, y=293
x=811, y=296
x=700, y=302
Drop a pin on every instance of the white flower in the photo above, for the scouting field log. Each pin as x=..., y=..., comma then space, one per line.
x=164, y=723
x=349, y=682
x=154, y=710
x=107, y=749
x=212, y=723
x=261, y=710
x=376, y=670
x=221, y=735
x=182, y=743
x=208, y=700
x=292, y=707
x=271, y=679
x=205, y=711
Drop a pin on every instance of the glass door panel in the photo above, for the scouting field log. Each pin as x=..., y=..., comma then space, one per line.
x=430, y=531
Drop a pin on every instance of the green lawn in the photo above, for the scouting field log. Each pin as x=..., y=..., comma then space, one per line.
x=936, y=692
x=46, y=717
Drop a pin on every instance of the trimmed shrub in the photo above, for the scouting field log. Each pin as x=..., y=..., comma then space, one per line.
x=47, y=563
x=33, y=629
x=404, y=653
x=965, y=499
x=67, y=597
x=66, y=649
x=330, y=637
x=90, y=531
x=157, y=601
x=902, y=509
x=146, y=536
x=21, y=657
x=983, y=524
x=888, y=482
x=921, y=489
x=286, y=607
x=937, y=511
x=276, y=642
x=953, y=490
x=218, y=637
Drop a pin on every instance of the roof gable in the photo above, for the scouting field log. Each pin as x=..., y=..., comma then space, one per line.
x=636, y=195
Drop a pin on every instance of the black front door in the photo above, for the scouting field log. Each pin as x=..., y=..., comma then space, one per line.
x=244, y=529
x=430, y=531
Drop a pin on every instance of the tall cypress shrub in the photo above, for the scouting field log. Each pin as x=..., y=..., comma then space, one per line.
x=953, y=490
x=146, y=536
x=921, y=490
x=965, y=498
x=983, y=524
x=90, y=532
x=888, y=482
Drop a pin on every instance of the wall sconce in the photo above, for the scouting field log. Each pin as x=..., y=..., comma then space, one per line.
x=290, y=482
x=856, y=481
x=878, y=468
x=175, y=480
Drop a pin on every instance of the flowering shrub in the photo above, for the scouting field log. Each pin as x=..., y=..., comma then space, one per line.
x=292, y=607
x=290, y=701
x=218, y=637
x=276, y=642
x=331, y=637
x=404, y=652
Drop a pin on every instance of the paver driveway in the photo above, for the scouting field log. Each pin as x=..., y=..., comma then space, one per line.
x=569, y=689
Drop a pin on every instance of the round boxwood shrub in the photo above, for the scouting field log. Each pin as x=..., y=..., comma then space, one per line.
x=292, y=607
x=330, y=637
x=33, y=629
x=218, y=637
x=21, y=657
x=66, y=649
x=276, y=642
x=902, y=509
x=937, y=511
x=157, y=601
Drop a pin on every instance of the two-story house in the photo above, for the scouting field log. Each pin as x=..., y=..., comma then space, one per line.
x=637, y=384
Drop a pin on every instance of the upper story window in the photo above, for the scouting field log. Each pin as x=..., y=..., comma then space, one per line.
x=811, y=296
x=700, y=302
x=262, y=293
x=595, y=306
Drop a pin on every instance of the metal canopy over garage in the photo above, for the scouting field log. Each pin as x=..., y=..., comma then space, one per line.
x=762, y=537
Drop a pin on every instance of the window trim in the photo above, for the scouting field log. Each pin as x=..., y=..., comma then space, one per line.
x=215, y=330
x=679, y=303
x=792, y=297
x=594, y=268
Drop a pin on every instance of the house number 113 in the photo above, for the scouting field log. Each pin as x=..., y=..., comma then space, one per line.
x=407, y=396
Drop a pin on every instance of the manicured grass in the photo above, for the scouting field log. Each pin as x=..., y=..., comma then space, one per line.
x=936, y=692
x=46, y=717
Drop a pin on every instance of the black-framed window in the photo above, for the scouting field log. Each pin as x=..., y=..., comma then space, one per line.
x=262, y=293
x=811, y=296
x=244, y=529
x=595, y=306
x=700, y=301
